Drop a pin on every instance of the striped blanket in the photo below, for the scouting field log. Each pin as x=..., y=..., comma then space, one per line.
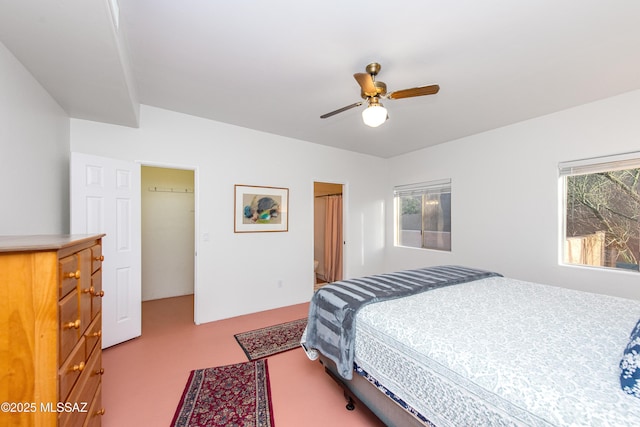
x=331, y=324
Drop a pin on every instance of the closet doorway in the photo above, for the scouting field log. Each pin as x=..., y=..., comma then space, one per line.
x=328, y=235
x=168, y=235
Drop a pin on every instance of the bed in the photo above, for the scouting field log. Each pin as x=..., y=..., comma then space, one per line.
x=465, y=347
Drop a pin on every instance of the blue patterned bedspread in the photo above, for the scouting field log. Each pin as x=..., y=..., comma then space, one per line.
x=331, y=324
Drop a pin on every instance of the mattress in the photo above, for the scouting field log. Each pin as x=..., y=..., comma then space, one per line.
x=502, y=352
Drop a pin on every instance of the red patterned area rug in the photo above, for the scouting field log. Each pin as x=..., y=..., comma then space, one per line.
x=272, y=339
x=232, y=395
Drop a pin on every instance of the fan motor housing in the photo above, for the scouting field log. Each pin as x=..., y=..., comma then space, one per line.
x=381, y=89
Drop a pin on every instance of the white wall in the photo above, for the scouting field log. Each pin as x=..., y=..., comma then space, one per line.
x=34, y=154
x=505, y=192
x=241, y=273
x=505, y=198
x=168, y=232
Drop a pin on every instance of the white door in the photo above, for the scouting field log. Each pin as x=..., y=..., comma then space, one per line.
x=105, y=198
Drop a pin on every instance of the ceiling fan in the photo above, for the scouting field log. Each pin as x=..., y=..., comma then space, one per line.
x=372, y=91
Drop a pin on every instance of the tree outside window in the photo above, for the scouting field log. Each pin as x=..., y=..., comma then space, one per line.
x=602, y=217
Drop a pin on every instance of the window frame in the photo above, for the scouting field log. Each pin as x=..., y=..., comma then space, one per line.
x=441, y=186
x=588, y=166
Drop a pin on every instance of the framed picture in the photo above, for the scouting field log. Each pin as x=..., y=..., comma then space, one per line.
x=260, y=209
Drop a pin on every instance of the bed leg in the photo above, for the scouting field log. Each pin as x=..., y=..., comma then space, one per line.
x=350, y=402
x=350, y=405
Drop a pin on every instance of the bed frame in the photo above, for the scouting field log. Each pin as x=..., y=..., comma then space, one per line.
x=360, y=391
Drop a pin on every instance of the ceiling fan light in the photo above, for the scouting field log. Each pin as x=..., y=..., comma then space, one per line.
x=374, y=115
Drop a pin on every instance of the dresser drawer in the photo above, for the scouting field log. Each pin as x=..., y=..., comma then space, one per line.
x=96, y=411
x=96, y=258
x=71, y=369
x=84, y=288
x=93, y=335
x=69, y=274
x=96, y=294
x=70, y=323
x=83, y=392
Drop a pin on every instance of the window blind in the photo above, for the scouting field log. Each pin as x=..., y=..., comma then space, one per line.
x=600, y=164
x=431, y=187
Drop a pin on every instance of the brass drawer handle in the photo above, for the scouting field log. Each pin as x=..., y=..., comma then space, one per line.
x=95, y=334
x=100, y=412
x=78, y=368
x=100, y=371
x=92, y=291
x=72, y=275
x=72, y=325
x=99, y=258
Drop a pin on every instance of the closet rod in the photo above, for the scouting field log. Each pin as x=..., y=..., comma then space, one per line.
x=327, y=195
x=170, y=190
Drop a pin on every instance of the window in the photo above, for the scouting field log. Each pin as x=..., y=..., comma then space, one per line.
x=602, y=212
x=423, y=215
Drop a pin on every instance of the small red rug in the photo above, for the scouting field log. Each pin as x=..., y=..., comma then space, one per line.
x=271, y=340
x=232, y=395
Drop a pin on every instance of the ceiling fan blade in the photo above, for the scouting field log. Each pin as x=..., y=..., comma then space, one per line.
x=416, y=91
x=340, y=110
x=366, y=83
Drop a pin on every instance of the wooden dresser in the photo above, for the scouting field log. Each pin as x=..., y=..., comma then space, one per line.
x=50, y=330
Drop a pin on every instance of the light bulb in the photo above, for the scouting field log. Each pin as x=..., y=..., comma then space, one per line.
x=374, y=115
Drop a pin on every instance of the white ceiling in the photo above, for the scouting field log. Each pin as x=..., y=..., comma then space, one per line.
x=277, y=66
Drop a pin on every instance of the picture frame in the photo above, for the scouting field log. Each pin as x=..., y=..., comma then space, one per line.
x=260, y=209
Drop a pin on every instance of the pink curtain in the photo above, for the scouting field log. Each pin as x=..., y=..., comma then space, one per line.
x=333, y=239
